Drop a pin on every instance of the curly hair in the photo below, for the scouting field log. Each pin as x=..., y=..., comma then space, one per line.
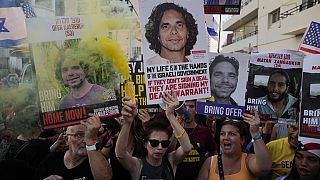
x=220, y=58
x=152, y=27
x=71, y=54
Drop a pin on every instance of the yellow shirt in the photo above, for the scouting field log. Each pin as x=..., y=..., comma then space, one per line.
x=282, y=155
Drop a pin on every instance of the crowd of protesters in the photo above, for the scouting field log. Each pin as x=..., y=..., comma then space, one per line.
x=175, y=143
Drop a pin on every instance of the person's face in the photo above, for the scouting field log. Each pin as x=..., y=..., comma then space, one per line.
x=75, y=140
x=173, y=33
x=277, y=88
x=293, y=135
x=224, y=79
x=307, y=164
x=230, y=139
x=159, y=151
x=191, y=107
x=72, y=74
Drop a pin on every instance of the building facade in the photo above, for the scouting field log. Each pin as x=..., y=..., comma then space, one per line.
x=266, y=25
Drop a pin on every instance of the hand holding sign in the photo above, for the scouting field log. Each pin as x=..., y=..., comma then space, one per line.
x=92, y=125
x=129, y=111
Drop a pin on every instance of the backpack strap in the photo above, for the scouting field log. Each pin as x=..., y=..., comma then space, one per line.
x=21, y=148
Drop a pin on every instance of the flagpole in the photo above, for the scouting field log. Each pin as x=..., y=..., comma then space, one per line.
x=219, y=34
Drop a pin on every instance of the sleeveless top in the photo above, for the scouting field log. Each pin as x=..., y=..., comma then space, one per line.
x=242, y=174
x=161, y=172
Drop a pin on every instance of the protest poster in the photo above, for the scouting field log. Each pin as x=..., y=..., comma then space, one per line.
x=174, y=49
x=75, y=76
x=137, y=77
x=310, y=107
x=222, y=7
x=228, y=76
x=273, y=85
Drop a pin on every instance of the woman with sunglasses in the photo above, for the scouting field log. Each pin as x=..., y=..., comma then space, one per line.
x=232, y=162
x=156, y=164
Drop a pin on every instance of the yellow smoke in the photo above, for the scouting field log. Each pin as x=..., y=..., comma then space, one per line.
x=108, y=48
x=115, y=17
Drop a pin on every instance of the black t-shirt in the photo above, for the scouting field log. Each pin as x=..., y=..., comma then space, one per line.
x=32, y=151
x=54, y=165
x=162, y=172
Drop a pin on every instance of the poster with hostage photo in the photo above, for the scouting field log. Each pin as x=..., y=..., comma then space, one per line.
x=310, y=107
x=75, y=76
x=228, y=76
x=273, y=85
x=174, y=49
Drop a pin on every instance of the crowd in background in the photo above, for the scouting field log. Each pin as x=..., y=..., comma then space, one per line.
x=176, y=143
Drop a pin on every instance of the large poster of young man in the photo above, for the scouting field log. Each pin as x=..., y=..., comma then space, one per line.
x=76, y=77
x=228, y=76
x=273, y=85
x=174, y=49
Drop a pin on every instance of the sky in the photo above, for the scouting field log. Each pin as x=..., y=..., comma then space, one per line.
x=213, y=44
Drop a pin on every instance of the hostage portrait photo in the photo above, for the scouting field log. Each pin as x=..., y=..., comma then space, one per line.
x=174, y=50
x=228, y=77
x=310, y=107
x=172, y=32
x=71, y=77
x=274, y=84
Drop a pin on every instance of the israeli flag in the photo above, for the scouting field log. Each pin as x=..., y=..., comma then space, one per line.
x=212, y=26
x=12, y=24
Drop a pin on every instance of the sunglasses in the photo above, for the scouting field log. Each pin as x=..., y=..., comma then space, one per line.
x=155, y=143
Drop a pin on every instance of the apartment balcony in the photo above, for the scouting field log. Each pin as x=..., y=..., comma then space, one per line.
x=242, y=42
x=296, y=20
x=249, y=11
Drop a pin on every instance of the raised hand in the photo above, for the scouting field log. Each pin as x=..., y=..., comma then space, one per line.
x=171, y=102
x=92, y=125
x=253, y=121
x=144, y=116
x=129, y=110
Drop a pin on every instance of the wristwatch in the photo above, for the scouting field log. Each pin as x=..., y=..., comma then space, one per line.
x=256, y=136
x=92, y=147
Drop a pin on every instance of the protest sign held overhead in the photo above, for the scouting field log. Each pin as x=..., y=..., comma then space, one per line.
x=138, y=79
x=174, y=49
x=310, y=107
x=274, y=83
x=228, y=75
x=75, y=76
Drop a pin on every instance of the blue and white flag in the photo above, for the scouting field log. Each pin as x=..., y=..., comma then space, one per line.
x=12, y=23
x=212, y=26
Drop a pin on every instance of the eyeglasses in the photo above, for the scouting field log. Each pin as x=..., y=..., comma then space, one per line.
x=78, y=136
x=155, y=143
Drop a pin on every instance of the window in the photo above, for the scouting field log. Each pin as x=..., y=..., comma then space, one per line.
x=136, y=51
x=275, y=15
